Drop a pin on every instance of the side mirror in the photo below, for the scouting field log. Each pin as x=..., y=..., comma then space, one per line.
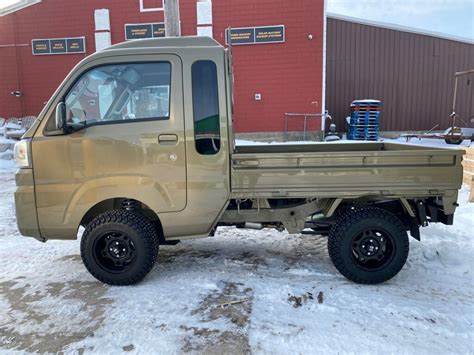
x=60, y=115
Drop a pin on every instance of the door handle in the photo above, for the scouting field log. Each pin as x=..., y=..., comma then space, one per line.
x=168, y=139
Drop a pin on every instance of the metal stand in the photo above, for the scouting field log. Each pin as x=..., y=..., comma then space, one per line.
x=305, y=117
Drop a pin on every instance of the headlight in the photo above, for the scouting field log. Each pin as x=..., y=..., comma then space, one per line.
x=22, y=154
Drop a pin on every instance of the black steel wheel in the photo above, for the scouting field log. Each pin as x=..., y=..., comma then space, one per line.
x=368, y=245
x=372, y=248
x=114, y=251
x=119, y=247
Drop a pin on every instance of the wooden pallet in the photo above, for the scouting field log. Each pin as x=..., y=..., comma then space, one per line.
x=468, y=176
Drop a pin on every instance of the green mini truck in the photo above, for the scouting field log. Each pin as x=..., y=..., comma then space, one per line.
x=135, y=149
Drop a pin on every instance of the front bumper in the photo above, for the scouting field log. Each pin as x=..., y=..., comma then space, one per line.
x=25, y=204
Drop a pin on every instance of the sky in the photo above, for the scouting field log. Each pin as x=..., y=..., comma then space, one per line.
x=451, y=17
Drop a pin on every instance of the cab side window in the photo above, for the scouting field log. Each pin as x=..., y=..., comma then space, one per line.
x=205, y=107
x=119, y=92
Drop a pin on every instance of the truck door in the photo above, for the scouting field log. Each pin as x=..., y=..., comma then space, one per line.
x=124, y=139
x=207, y=147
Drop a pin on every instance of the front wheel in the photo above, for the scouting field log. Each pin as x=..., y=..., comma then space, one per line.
x=368, y=245
x=119, y=247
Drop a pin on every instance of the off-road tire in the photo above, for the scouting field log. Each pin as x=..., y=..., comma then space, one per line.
x=352, y=223
x=138, y=229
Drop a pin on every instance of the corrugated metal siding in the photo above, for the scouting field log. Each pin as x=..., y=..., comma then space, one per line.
x=412, y=74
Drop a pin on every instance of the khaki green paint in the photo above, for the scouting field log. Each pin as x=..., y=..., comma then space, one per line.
x=73, y=173
x=25, y=206
x=345, y=170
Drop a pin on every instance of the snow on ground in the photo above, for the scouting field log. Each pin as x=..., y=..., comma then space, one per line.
x=292, y=300
x=413, y=141
x=433, y=142
x=6, y=164
x=6, y=152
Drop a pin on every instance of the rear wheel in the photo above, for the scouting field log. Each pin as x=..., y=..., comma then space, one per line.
x=119, y=247
x=368, y=245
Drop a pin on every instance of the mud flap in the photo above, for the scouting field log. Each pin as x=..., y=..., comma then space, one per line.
x=414, y=229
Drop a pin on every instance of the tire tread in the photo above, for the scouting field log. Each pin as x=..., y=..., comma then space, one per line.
x=142, y=226
x=340, y=229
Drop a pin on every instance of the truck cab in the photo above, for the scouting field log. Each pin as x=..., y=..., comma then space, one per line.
x=137, y=122
x=136, y=145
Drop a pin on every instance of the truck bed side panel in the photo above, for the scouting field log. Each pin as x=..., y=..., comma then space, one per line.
x=393, y=169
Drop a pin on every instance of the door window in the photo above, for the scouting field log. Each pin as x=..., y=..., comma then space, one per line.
x=205, y=107
x=118, y=92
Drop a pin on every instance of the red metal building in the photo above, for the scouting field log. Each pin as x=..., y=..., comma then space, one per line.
x=274, y=75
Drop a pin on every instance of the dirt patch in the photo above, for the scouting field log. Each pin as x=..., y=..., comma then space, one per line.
x=129, y=347
x=304, y=249
x=248, y=258
x=232, y=302
x=166, y=256
x=72, y=257
x=429, y=320
x=219, y=304
x=298, y=301
x=320, y=297
x=51, y=319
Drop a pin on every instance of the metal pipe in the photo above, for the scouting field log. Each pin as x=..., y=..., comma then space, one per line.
x=456, y=76
x=455, y=93
x=257, y=226
x=304, y=128
x=305, y=117
x=465, y=72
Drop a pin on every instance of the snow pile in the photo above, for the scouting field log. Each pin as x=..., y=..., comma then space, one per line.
x=6, y=153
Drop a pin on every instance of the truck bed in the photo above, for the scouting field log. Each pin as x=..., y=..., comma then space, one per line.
x=345, y=170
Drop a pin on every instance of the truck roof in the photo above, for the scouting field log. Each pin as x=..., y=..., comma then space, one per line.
x=190, y=41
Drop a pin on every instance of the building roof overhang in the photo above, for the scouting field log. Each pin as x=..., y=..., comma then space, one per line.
x=391, y=26
x=18, y=5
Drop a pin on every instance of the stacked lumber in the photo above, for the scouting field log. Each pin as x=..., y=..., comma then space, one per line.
x=468, y=176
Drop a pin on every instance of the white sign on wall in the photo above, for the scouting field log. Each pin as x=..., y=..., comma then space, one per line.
x=204, y=31
x=102, y=20
x=102, y=40
x=204, y=13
